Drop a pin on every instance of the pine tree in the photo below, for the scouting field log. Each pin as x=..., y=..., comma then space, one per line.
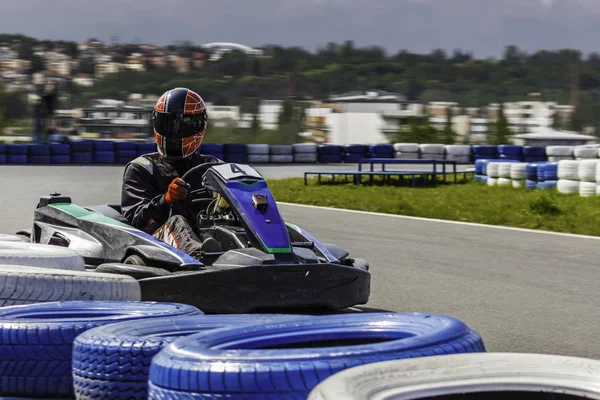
x=449, y=136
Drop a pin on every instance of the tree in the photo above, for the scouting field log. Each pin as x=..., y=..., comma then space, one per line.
x=501, y=131
x=449, y=136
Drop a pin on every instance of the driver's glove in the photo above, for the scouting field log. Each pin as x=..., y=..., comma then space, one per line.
x=178, y=190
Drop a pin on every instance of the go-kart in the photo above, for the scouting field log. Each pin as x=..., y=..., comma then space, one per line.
x=264, y=262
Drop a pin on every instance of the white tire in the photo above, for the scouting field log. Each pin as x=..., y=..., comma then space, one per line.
x=560, y=151
x=457, y=374
x=11, y=238
x=568, y=169
x=517, y=171
x=306, y=157
x=459, y=159
x=558, y=158
x=517, y=183
x=432, y=156
x=458, y=150
x=492, y=169
x=275, y=158
x=585, y=152
x=282, y=150
x=566, y=186
x=504, y=169
x=305, y=148
x=504, y=182
x=258, y=158
x=587, y=189
x=40, y=255
x=26, y=285
x=587, y=170
x=492, y=181
x=432, y=148
x=406, y=156
x=406, y=147
x=254, y=149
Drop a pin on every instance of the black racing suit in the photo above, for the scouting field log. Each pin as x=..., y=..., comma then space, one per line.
x=145, y=183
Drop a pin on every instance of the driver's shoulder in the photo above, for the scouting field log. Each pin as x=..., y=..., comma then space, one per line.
x=145, y=161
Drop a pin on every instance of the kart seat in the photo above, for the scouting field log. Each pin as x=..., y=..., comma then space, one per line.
x=109, y=210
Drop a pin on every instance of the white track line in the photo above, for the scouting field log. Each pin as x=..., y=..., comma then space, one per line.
x=507, y=228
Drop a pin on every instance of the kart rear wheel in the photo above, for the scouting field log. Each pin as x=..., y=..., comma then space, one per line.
x=134, y=259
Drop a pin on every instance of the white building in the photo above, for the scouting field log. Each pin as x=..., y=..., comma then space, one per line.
x=268, y=111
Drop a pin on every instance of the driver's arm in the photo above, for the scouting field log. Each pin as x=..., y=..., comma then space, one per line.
x=140, y=203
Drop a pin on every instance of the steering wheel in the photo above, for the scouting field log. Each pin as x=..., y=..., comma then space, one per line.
x=200, y=169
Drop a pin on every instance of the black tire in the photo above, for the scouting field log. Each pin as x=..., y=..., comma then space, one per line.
x=136, y=271
x=134, y=259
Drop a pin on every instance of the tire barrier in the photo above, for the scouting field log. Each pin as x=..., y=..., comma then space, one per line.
x=113, y=361
x=288, y=359
x=36, y=340
x=474, y=376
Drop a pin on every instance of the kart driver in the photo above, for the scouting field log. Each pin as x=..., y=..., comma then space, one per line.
x=154, y=199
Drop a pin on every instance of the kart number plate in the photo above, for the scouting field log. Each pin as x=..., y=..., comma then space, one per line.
x=236, y=171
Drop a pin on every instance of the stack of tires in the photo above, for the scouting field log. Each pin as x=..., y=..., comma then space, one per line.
x=103, y=152
x=432, y=151
x=547, y=175
x=81, y=152
x=557, y=153
x=587, y=177
x=587, y=152
x=381, y=151
x=213, y=149
x=406, y=151
x=2, y=154
x=281, y=154
x=458, y=152
x=305, y=153
x=38, y=154
x=510, y=152
x=504, y=178
x=492, y=172
x=60, y=153
x=331, y=154
x=145, y=148
x=568, y=176
x=258, y=153
x=16, y=154
x=517, y=174
x=480, y=171
x=484, y=152
x=531, y=175
x=125, y=152
x=236, y=153
x=534, y=154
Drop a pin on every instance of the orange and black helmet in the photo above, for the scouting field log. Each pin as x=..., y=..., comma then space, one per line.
x=180, y=120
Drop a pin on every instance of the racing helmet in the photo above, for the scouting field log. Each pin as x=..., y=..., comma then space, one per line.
x=179, y=119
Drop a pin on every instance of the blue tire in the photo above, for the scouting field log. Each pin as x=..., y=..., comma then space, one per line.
x=330, y=158
x=126, y=154
x=273, y=362
x=3, y=158
x=547, y=185
x=534, y=151
x=16, y=159
x=16, y=149
x=510, y=150
x=382, y=155
x=332, y=149
x=60, y=159
x=510, y=157
x=382, y=148
x=211, y=148
x=125, y=146
x=235, y=148
x=36, y=340
x=113, y=361
x=236, y=158
x=39, y=160
x=81, y=157
x=352, y=158
x=60, y=149
x=357, y=148
x=104, y=157
x=103, y=146
x=38, y=150
x=2, y=148
x=145, y=148
x=530, y=184
x=485, y=150
x=81, y=146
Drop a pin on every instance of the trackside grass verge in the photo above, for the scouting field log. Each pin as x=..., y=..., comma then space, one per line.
x=466, y=202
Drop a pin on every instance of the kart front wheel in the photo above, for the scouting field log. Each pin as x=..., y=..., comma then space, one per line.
x=134, y=259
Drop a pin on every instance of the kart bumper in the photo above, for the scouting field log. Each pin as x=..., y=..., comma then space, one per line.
x=245, y=289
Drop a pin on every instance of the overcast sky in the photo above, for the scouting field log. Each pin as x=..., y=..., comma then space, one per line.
x=483, y=27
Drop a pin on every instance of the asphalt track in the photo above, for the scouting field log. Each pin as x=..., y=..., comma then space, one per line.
x=523, y=291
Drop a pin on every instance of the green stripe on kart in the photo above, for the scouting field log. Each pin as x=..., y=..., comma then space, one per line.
x=82, y=213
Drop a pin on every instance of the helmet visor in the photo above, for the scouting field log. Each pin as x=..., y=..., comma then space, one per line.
x=178, y=125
